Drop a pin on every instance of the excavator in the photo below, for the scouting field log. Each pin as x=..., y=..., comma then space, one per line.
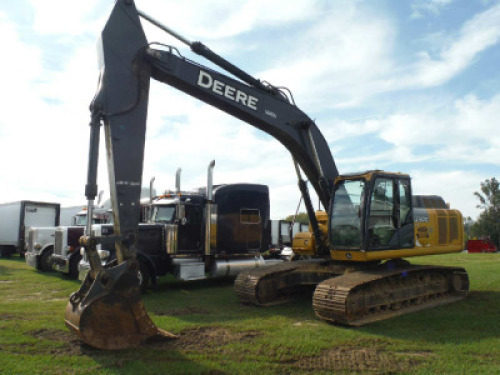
x=353, y=251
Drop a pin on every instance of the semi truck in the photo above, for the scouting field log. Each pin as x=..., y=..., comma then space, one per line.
x=16, y=219
x=66, y=256
x=214, y=231
x=41, y=239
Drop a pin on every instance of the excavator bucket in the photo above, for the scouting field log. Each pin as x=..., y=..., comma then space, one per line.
x=109, y=314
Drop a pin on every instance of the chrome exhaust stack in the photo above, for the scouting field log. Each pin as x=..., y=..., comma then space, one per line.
x=178, y=180
x=208, y=206
x=180, y=208
x=151, y=191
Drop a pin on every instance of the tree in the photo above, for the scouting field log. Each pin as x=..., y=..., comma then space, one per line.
x=468, y=225
x=300, y=218
x=488, y=223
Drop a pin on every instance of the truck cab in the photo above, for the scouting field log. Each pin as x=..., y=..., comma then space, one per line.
x=183, y=216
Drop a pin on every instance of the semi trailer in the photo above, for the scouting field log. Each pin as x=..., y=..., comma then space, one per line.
x=16, y=219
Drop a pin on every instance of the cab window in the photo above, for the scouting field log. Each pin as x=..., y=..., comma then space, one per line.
x=345, y=223
x=381, y=222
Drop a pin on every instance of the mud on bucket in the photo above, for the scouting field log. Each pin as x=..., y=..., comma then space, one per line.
x=108, y=313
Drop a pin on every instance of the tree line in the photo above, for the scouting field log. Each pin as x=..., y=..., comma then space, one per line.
x=488, y=222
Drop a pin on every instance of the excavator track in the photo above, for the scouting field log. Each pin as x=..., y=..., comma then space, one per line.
x=277, y=284
x=363, y=297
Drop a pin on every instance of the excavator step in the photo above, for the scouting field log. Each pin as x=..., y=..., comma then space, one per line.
x=363, y=297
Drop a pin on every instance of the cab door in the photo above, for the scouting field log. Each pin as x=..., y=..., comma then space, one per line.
x=389, y=222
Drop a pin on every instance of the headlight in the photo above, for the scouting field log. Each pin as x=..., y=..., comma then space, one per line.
x=37, y=246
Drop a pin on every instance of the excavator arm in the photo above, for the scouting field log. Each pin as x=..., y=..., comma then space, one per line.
x=127, y=63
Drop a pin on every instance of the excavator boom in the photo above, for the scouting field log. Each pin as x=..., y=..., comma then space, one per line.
x=107, y=311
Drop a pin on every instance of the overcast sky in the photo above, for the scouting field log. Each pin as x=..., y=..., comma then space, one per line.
x=410, y=86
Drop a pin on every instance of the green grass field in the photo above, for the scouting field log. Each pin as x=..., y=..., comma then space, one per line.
x=220, y=336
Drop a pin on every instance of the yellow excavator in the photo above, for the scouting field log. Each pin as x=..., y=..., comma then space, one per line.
x=353, y=250
x=372, y=223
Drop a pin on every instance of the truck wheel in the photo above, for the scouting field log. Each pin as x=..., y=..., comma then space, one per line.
x=45, y=263
x=144, y=277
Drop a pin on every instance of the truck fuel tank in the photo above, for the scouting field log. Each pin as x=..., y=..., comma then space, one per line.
x=232, y=267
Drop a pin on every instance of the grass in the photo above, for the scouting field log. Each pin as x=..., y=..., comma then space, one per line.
x=220, y=336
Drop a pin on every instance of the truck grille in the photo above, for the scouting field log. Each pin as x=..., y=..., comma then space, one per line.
x=58, y=242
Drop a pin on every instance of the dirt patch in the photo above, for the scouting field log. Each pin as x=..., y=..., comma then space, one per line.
x=181, y=312
x=357, y=360
x=205, y=339
x=52, y=334
x=72, y=344
x=8, y=317
x=212, y=336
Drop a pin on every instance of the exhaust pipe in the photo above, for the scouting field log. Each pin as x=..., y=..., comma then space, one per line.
x=208, y=207
x=99, y=197
x=151, y=194
x=179, y=212
x=149, y=212
x=178, y=180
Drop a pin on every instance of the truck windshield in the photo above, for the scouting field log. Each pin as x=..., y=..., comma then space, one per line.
x=81, y=220
x=345, y=221
x=164, y=214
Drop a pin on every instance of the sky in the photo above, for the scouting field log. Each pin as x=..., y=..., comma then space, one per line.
x=404, y=86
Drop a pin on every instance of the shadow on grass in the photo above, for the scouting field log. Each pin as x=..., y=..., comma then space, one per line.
x=14, y=258
x=4, y=270
x=155, y=356
x=214, y=302
x=470, y=320
x=150, y=358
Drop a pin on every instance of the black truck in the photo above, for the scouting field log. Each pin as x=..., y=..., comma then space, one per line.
x=194, y=234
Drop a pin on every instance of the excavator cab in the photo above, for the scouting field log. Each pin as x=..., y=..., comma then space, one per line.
x=372, y=212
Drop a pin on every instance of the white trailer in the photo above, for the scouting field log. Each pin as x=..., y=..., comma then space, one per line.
x=16, y=218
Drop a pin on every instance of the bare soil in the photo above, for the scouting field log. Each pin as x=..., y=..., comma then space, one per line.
x=357, y=359
x=205, y=339
x=362, y=358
